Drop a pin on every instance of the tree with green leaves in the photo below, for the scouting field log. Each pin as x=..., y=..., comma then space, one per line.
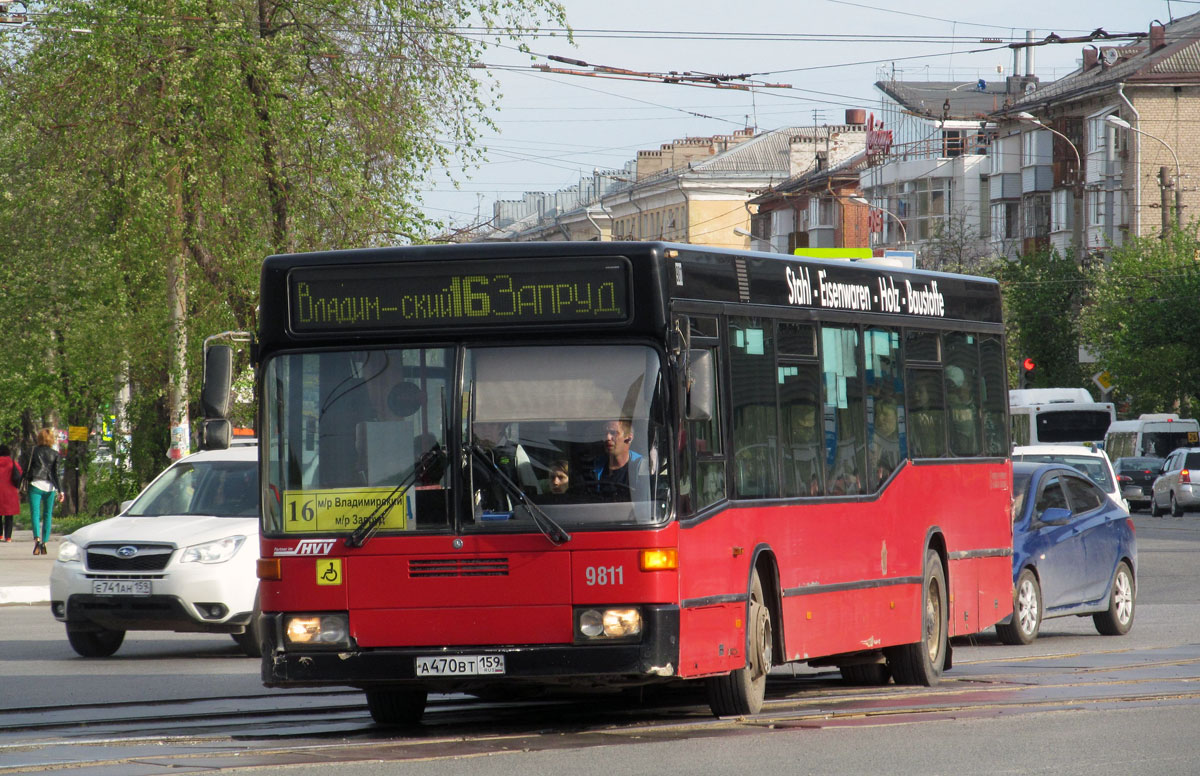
x=1143, y=321
x=1043, y=293
x=152, y=152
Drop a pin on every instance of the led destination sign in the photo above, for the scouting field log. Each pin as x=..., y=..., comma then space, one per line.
x=458, y=293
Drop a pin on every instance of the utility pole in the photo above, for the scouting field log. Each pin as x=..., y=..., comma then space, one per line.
x=1164, y=186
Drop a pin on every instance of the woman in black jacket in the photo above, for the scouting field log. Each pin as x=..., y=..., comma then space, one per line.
x=44, y=489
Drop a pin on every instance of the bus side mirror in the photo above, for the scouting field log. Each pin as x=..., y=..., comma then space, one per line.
x=700, y=384
x=217, y=390
x=215, y=434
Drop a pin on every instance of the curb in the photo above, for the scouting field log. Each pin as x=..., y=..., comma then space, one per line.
x=24, y=596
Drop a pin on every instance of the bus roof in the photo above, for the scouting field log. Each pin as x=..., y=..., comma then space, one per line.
x=1025, y=397
x=435, y=289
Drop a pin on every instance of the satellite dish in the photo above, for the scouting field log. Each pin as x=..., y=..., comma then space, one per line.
x=1030, y=87
x=1110, y=55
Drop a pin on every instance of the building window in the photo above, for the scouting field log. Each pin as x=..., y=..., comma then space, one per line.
x=1036, y=211
x=1062, y=211
x=1035, y=148
x=985, y=198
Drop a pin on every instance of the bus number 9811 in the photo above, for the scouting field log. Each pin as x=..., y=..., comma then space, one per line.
x=604, y=575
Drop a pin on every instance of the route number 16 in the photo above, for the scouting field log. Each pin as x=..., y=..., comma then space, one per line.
x=307, y=513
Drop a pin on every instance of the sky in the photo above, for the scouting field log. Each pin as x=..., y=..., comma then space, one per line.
x=553, y=129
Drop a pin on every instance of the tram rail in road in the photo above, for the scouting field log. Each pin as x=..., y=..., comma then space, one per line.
x=264, y=729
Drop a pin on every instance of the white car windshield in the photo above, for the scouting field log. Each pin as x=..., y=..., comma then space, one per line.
x=212, y=488
x=1091, y=465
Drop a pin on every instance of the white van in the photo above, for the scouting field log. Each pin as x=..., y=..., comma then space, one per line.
x=1152, y=435
x=1057, y=416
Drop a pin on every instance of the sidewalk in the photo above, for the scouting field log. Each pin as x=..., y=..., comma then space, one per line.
x=25, y=577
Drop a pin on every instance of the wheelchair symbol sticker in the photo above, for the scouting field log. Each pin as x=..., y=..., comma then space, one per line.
x=329, y=571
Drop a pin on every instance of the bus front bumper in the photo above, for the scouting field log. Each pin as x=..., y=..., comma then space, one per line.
x=653, y=658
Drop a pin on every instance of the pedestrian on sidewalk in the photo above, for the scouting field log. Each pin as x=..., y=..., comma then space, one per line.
x=10, y=494
x=44, y=489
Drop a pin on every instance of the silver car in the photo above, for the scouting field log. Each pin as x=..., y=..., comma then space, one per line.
x=1178, y=485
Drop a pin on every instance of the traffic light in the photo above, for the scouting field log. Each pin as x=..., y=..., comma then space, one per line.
x=1028, y=372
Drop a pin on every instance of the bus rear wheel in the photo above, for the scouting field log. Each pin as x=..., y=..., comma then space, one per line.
x=922, y=662
x=742, y=691
x=397, y=707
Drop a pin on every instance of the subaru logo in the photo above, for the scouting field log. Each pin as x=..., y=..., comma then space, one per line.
x=128, y=551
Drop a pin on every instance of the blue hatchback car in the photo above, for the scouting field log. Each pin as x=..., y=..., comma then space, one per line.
x=1074, y=552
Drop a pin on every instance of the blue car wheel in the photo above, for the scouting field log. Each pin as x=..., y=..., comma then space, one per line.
x=1027, y=612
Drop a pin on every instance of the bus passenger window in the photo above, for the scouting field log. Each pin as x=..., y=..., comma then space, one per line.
x=887, y=442
x=800, y=408
x=962, y=393
x=755, y=434
x=926, y=413
x=844, y=414
x=995, y=394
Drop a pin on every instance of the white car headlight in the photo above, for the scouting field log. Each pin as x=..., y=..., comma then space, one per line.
x=217, y=551
x=69, y=552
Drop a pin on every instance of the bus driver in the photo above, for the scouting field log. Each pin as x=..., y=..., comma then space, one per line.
x=612, y=475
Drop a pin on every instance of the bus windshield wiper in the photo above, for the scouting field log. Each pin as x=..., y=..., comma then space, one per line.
x=428, y=465
x=546, y=524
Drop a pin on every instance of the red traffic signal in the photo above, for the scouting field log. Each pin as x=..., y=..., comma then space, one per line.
x=1028, y=369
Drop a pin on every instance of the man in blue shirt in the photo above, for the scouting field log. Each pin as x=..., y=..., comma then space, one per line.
x=612, y=475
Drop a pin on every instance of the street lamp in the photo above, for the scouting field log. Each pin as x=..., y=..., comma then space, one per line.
x=1077, y=230
x=1117, y=121
x=903, y=231
x=743, y=233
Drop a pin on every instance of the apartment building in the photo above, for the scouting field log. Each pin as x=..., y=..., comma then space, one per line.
x=694, y=190
x=1103, y=153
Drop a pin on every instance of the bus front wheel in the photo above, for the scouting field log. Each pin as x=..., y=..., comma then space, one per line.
x=742, y=691
x=922, y=662
x=397, y=707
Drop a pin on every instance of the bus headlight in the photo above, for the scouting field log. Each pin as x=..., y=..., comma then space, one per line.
x=317, y=630
x=616, y=623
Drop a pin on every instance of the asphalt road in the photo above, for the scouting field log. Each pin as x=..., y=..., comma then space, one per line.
x=1074, y=702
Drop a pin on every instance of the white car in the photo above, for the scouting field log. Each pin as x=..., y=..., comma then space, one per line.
x=1092, y=462
x=180, y=557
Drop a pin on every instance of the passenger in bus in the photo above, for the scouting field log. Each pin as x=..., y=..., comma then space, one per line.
x=885, y=450
x=612, y=474
x=560, y=477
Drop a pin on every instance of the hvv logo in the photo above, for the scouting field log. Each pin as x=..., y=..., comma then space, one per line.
x=307, y=547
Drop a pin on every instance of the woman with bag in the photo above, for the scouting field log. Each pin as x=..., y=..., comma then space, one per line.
x=42, y=476
x=10, y=495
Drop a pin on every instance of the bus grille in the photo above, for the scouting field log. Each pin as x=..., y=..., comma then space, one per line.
x=458, y=567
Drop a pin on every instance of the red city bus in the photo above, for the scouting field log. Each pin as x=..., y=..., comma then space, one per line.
x=614, y=464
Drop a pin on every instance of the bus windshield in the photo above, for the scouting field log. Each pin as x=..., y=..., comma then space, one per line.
x=576, y=433
x=579, y=430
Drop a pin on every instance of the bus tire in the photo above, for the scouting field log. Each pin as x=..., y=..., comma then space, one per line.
x=865, y=674
x=742, y=691
x=397, y=707
x=922, y=662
